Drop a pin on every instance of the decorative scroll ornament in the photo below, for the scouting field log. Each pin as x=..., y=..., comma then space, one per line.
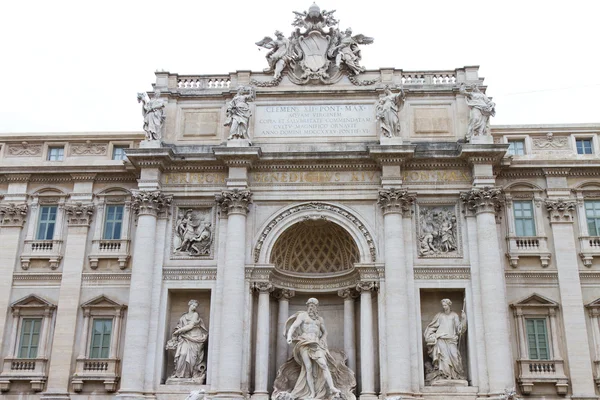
x=234, y=201
x=24, y=149
x=487, y=199
x=79, y=214
x=551, y=143
x=88, y=148
x=12, y=214
x=146, y=202
x=316, y=52
x=560, y=210
x=396, y=200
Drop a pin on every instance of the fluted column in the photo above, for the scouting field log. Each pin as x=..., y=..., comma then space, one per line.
x=78, y=217
x=349, y=296
x=485, y=202
x=578, y=349
x=283, y=296
x=235, y=203
x=261, y=366
x=12, y=218
x=367, y=345
x=147, y=204
x=394, y=202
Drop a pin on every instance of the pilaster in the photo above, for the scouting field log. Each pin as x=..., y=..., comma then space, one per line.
x=261, y=367
x=349, y=296
x=283, y=297
x=367, y=339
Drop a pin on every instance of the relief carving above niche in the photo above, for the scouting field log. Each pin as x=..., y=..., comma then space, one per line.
x=438, y=232
x=193, y=233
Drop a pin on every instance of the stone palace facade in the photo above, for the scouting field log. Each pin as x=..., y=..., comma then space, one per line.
x=316, y=230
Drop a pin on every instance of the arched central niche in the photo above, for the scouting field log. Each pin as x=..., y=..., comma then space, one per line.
x=315, y=247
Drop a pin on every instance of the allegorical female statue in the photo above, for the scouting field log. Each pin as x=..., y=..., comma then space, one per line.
x=313, y=372
x=387, y=112
x=481, y=110
x=188, y=341
x=442, y=336
x=153, y=111
x=239, y=113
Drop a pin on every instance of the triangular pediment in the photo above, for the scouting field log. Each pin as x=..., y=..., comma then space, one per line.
x=102, y=302
x=535, y=300
x=32, y=301
x=594, y=304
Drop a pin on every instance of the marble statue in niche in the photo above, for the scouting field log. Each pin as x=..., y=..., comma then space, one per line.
x=193, y=233
x=238, y=113
x=438, y=232
x=481, y=109
x=442, y=337
x=188, y=341
x=314, y=371
x=387, y=110
x=153, y=111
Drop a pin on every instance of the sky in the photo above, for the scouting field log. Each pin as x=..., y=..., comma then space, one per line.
x=77, y=65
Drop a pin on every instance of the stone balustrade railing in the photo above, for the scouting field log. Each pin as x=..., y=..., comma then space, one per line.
x=109, y=249
x=43, y=250
x=532, y=372
x=590, y=248
x=32, y=370
x=96, y=369
x=527, y=246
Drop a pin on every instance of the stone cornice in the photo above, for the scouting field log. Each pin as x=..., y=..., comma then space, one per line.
x=83, y=177
x=483, y=153
x=234, y=201
x=17, y=177
x=394, y=200
x=150, y=202
x=151, y=157
x=487, y=199
x=392, y=154
x=237, y=156
x=556, y=171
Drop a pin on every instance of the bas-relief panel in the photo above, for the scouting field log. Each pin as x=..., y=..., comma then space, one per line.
x=193, y=233
x=438, y=232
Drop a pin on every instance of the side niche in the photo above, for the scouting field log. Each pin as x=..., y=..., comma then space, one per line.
x=193, y=233
x=438, y=232
x=186, y=344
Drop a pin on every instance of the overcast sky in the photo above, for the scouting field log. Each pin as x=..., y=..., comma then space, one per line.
x=77, y=65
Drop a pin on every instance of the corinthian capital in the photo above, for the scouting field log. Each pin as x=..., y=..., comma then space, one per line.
x=146, y=202
x=560, y=210
x=234, y=201
x=366, y=286
x=487, y=199
x=79, y=214
x=12, y=214
x=395, y=200
x=263, y=287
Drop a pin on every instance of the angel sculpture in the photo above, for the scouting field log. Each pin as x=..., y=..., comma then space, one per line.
x=349, y=52
x=279, y=56
x=387, y=111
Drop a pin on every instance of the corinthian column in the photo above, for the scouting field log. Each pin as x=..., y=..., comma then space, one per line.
x=147, y=204
x=578, y=348
x=79, y=217
x=235, y=203
x=284, y=296
x=261, y=366
x=485, y=202
x=349, y=295
x=367, y=345
x=395, y=202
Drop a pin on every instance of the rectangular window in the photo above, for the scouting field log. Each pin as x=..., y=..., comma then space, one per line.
x=516, y=147
x=119, y=152
x=584, y=146
x=46, y=223
x=100, y=343
x=56, y=153
x=524, y=222
x=537, y=339
x=30, y=337
x=113, y=222
x=592, y=214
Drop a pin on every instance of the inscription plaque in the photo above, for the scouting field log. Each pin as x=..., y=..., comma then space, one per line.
x=315, y=120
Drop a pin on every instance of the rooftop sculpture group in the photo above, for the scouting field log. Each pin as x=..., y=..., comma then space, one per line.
x=317, y=51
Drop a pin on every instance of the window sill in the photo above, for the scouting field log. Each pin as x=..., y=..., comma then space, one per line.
x=42, y=250
x=96, y=369
x=24, y=369
x=109, y=249
x=527, y=246
x=590, y=248
x=542, y=371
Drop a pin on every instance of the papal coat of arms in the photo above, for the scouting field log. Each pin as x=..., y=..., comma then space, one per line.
x=317, y=51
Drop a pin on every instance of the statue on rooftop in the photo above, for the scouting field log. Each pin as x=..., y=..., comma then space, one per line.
x=348, y=52
x=313, y=372
x=238, y=113
x=387, y=111
x=153, y=111
x=481, y=109
x=279, y=57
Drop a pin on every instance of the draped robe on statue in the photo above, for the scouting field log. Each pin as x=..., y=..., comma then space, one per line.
x=291, y=382
x=441, y=336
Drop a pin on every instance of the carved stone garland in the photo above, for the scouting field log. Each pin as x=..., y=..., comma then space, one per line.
x=396, y=200
x=487, y=199
x=150, y=202
x=560, y=210
x=79, y=214
x=316, y=206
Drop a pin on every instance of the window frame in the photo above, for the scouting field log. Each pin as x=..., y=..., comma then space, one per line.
x=102, y=346
x=107, y=208
x=46, y=222
x=585, y=136
x=584, y=148
x=513, y=141
x=531, y=220
x=536, y=334
x=595, y=218
x=59, y=157
x=119, y=147
x=101, y=308
x=32, y=332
